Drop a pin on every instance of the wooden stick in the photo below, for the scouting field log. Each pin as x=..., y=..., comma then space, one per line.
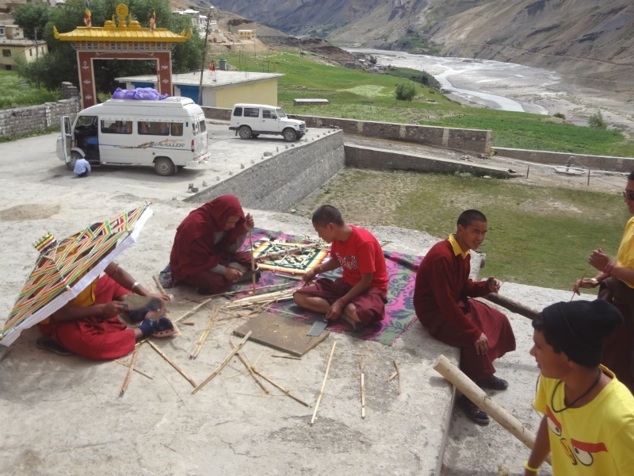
x=323, y=385
x=158, y=284
x=261, y=299
x=474, y=393
x=398, y=373
x=512, y=306
x=173, y=364
x=285, y=390
x=128, y=374
x=362, y=367
x=224, y=362
x=204, y=334
x=392, y=377
x=135, y=369
x=249, y=367
x=252, y=261
x=237, y=291
x=191, y=311
x=292, y=357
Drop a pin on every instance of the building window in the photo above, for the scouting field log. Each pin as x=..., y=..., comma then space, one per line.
x=30, y=52
x=6, y=53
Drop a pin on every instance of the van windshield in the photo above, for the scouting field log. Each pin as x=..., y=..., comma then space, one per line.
x=280, y=113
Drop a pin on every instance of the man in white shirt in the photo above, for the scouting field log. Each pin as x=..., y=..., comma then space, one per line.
x=82, y=167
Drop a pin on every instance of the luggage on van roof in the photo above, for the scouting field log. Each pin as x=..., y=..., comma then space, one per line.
x=149, y=94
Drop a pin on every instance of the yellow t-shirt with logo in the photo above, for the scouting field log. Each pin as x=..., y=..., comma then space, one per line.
x=625, y=255
x=595, y=439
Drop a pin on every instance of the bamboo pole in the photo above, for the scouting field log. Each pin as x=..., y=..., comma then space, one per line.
x=193, y=310
x=362, y=367
x=511, y=305
x=249, y=368
x=392, y=377
x=261, y=299
x=398, y=373
x=204, y=334
x=158, y=284
x=173, y=364
x=285, y=390
x=474, y=393
x=135, y=369
x=292, y=357
x=224, y=362
x=323, y=385
x=252, y=261
x=128, y=374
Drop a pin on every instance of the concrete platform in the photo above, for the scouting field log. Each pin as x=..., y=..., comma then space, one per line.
x=65, y=415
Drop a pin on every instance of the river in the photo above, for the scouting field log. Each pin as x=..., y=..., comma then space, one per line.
x=486, y=83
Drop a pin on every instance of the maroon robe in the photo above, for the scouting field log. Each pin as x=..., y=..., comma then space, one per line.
x=442, y=304
x=194, y=253
x=95, y=337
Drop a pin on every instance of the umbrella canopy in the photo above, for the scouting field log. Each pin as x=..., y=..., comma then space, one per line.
x=64, y=269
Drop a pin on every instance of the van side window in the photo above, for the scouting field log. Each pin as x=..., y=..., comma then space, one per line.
x=237, y=112
x=251, y=112
x=109, y=126
x=154, y=128
x=177, y=128
x=203, y=126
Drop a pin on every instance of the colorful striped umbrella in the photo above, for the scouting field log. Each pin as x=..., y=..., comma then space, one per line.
x=64, y=269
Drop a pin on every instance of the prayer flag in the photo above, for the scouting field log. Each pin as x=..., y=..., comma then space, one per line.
x=87, y=20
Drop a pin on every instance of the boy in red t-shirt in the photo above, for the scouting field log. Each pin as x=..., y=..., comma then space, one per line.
x=359, y=296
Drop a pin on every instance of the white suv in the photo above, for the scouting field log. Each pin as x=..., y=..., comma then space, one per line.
x=251, y=120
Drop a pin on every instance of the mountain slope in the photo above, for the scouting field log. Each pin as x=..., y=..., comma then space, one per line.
x=594, y=41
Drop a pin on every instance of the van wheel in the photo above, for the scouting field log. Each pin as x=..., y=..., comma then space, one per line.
x=244, y=132
x=255, y=136
x=74, y=157
x=290, y=135
x=164, y=166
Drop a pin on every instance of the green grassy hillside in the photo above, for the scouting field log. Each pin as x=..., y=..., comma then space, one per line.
x=356, y=94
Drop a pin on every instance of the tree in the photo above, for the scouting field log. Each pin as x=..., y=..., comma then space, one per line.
x=32, y=18
x=596, y=121
x=405, y=91
x=61, y=62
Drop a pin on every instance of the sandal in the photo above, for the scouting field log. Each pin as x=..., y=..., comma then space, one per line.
x=46, y=343
x=147, y=308
x=493, y=383
x=162, y=327
x=473, y=412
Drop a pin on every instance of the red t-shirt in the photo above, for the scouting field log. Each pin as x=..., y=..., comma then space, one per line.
x=361, y=253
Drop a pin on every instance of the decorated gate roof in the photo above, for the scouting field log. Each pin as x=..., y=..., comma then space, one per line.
x=122, y=30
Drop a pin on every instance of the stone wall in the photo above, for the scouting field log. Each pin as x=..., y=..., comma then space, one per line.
x=380, y=159
x=472, y=140
x=24, y=120
x=284, y=179
x=602, y=162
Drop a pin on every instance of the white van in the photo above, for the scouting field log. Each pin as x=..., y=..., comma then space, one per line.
x=251, y=120
x=167, y=134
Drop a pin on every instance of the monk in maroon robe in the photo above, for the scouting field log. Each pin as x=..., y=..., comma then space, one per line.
x=443, y=305
x=205, y=250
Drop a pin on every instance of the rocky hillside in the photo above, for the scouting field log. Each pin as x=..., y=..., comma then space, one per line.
x=588, y=39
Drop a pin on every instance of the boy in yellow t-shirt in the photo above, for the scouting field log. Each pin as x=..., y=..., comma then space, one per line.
x=588, y=422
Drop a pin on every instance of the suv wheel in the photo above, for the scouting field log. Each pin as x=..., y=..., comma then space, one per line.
x=244, y=132
x=290, y=135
